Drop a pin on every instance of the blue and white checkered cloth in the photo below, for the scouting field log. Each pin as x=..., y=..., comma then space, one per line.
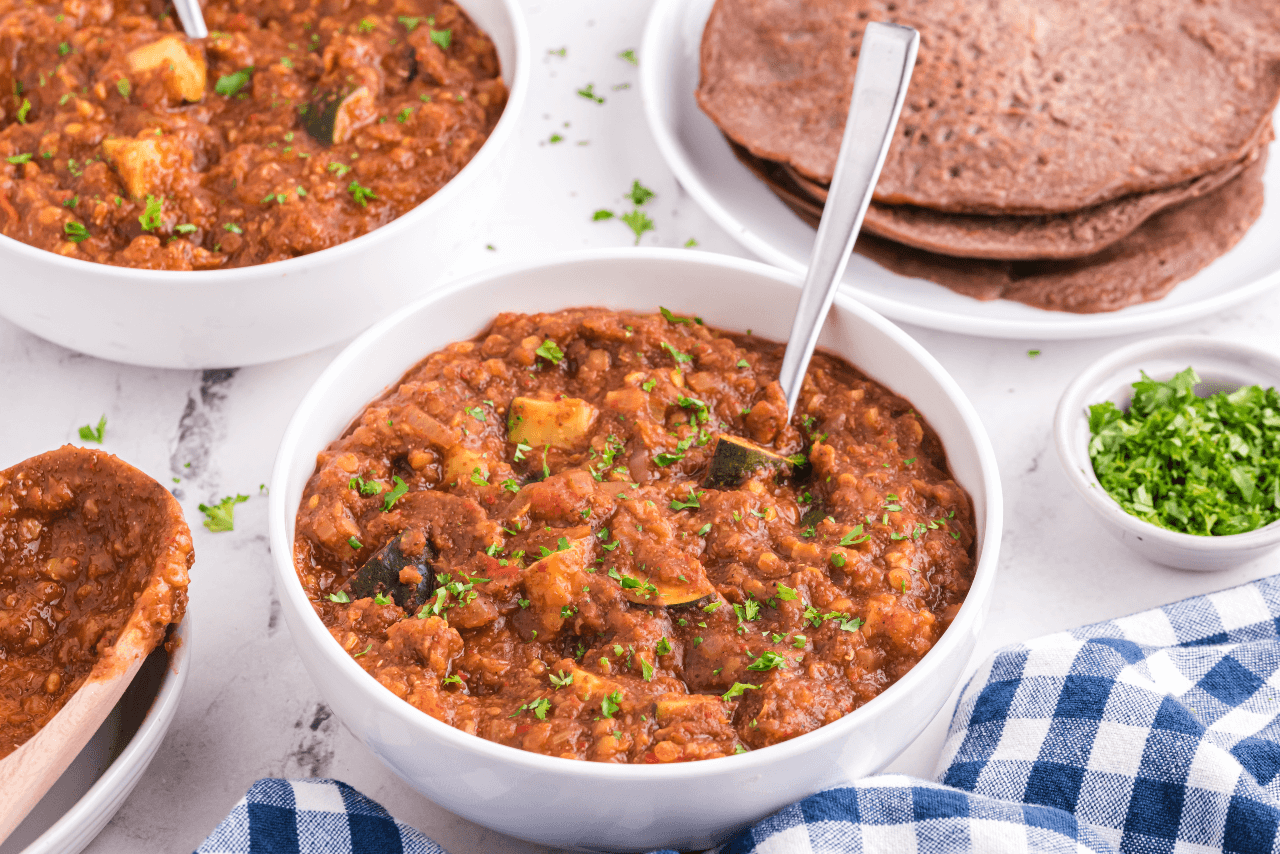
x=1157, y=733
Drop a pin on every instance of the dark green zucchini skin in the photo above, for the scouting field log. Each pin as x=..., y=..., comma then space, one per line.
x=813, y=515
x=381, y=574
x=733, y=460
x=321, y=113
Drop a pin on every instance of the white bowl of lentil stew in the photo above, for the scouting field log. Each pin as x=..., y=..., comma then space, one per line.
x=1210, y=498
x=609, y=704
x=255, y=195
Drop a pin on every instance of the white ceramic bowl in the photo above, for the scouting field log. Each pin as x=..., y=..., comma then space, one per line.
x=596, y=806
x=103, y=774
x=247, y=315
x=1222, y=366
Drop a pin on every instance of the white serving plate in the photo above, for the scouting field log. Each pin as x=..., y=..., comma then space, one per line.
x=249, y=315
x=601, y=806
x=741, y=204
x=97, y=782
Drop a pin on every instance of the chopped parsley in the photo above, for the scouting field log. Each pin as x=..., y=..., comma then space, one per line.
x=639, y=194
x=397, y=491
x=360, y=193
x=124, y=88
x=231, y=84
x=443, y=38
x=610, y=704
x=589, y=92
x=738, y=689
x=676, y=354
x=221, y=516
x=19, y=158
x=75, y=232
x=94, y=434
x=1207, y=466
x=340, y=597
x=355, y=544
x=233, y=228
x=638, y=221
x=629, y=55
x=150, y=219
x=854, y=537
x=768, y=660
x=550, y=351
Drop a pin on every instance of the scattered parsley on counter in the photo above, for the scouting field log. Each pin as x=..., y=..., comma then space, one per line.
x=233, y=228
x=589, y=92
x=1031, y=354
x=221, y=516
x=354, y=543
x=24, y=109
x=629, y=55
x=638, y=221
x=639, y=193
x=610, y=704
x=94, y=434
x=124, y=88
x=410, y=24
x=690, y=243
x=768, y=660
x=1206, y=466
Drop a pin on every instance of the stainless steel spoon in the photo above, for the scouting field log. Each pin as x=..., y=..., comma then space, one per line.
x=192, y=18
x=885, y=62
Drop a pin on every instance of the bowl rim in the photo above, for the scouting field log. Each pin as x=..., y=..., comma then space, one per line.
x=1072, y=410
x=971, y=612
x=517, y=80
x=139, y=749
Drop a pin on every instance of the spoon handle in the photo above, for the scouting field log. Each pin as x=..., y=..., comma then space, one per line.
x=885, y=61
x=192, y=18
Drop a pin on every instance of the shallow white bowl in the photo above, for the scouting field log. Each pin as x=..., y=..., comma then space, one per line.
x=569, y=803
x=247, y=315
x=743, y=206
x=1222, y=366
x=103, y=774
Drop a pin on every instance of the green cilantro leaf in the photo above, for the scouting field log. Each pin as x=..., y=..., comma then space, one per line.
x=221, y=516
x=340, y=597
x=94, y=434
x=397, y=491
x=550, y=351
x=768, y=660
x=231, y=84
x=738, y=689
x=639, y=194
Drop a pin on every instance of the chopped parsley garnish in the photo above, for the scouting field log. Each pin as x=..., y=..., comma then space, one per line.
x=786, y=594
x=1206, y=466
x=124, y=88
x=629, y=55
x=692, y=503
x=663, y=647
x=646, y=670
x=743, y=363
x=339, y=168
x=561, y=681
x=443, y=38
x=589, y=92
x=381, y=599
x=674, y=318
x=478, y=478
x=550, y=351
x=340, y=597
x=150, y=219
x=231, y=84
x=410, y=24
x=638, y=221
x=355, y=544
x=363, y=651
x=360, y=193
x=452, y=678
x=397, y=491
x=221, y=516
x=184, y=228
x=747, y=611
x=19, y=158
x=24, y=110
x=738, y=689
x=94, y=434
x=75, y=232
x=676, y=354
x=854, y=537
x=367, y=25
x=768, y=660
x=639, y=194
x=610, y=704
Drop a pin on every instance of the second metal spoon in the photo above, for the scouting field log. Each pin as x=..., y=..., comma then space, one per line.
x=885, y=62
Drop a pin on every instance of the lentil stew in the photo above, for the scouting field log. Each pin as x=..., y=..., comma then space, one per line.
x=596, y=535
x=294, y=127
x=86, y=542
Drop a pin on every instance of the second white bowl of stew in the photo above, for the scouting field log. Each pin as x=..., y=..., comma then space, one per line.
x=550, y=546
x=261, y=193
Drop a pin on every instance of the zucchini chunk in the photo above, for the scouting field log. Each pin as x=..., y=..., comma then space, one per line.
x=382, y=574
x=733, y=460
x=672, y=707
x=184, y=74
x=142, y=164
x=460, y=463
x=333, y=116
x=562, y=423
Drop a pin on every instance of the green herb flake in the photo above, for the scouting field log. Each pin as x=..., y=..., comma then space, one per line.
x=340, y=597
x=738, y=689
x=221, y=516
x=150, y=218
x=638, y=221
x=768, y=660
x=409, y=23
x=94, y=434
x=589, y=92
x=231, y=84
x=443, y=38
x=360, y=194
x=396, y=493
x=639, y=194
x=75, y=232
x=610, y=704
x=550, y=351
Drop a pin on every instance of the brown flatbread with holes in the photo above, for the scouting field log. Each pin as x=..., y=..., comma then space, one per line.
x=1168, y=248
x=1076, y=234
x=1016, y=106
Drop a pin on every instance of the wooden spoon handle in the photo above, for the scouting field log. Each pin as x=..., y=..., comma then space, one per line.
x=28, y=772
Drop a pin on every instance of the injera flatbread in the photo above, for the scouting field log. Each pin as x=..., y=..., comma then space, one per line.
x=1171, y=246
x=1024, y=238
x=1016, y=106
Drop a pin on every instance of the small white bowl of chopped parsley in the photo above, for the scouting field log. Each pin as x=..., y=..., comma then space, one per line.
x=1175, y=444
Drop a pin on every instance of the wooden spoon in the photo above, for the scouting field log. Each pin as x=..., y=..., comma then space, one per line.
x=99, y=495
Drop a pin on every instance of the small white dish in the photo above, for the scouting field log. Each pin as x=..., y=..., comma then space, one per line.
x=599, y=806
x=1221, y=366
x=249, y=315
x=743, y=206
x=93, y=788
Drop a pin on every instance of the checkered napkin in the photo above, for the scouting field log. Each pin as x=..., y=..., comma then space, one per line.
x=1153, y=733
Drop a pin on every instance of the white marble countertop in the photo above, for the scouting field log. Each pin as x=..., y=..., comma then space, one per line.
x=218, y=432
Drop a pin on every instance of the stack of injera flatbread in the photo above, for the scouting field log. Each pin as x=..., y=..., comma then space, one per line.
x=1076, y=155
